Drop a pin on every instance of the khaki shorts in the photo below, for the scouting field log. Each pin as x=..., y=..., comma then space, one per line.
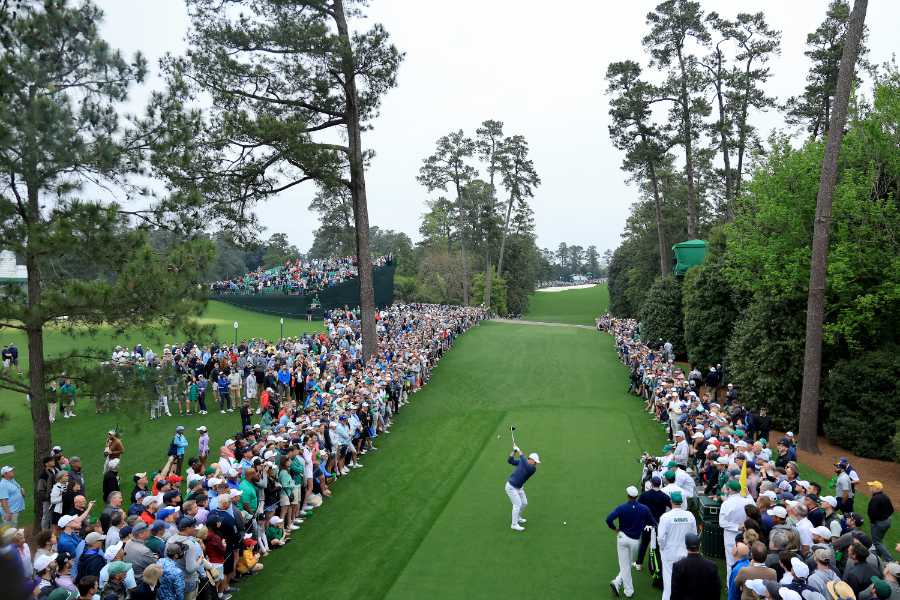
x=283, y=500
x=295, y=496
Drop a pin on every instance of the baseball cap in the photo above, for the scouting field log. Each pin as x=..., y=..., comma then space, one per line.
x=7, y=469
x=117, y=567
x=822, y=531
x=148, y=500
x=276, y=520
x=535, y=457
x=64, y=521
x=179, y=428
x=111, y=552
x=138, y=527
x=166, y=513
x=43, y=561
x=185, y=522
x=677, y=498
x=631, y=491
x=882, y=587
x=94, y=537
x=777, y=511
x=201, y=428
x=61, y=593
x=692, y=541
x=893, y=568
x=770, y=495
x=799, y=568
x=831, y=500
x=789, y=594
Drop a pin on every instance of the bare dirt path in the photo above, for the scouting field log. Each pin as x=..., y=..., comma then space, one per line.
x=869, y=469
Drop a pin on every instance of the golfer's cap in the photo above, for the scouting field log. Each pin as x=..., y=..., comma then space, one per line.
x=631, y=491
x=535, y=457
x=179, y=428
x=777, y=511
x=7, y=469
x=64, y=521
x=201, y=428
x=822, y=531
x=799, y=568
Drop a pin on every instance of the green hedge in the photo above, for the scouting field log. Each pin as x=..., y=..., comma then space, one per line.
x=862, y=403
x=765, y=358
x=660, y=314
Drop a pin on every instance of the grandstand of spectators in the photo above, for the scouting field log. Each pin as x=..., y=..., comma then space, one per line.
x=296, y=277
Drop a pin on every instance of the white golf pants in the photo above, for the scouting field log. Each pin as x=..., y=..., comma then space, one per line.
x=518, y=499
x=728, y=536
x=627, y=549
x=668, y=560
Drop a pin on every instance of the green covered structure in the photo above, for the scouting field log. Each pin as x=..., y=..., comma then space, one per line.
x=687, y=254
x=342, y=294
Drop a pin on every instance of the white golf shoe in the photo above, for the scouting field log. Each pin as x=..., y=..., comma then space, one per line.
x=517, y=527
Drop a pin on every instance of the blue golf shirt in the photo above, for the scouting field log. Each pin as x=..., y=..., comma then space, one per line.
x=633, y=517
x=522, y=473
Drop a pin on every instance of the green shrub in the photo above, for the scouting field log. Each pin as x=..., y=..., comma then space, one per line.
x=765, y=358
x=709, y=313
x=660, y=314
x=862, y=403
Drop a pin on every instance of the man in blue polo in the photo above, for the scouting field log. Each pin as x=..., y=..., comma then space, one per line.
x=515, y=485
x=633, y=517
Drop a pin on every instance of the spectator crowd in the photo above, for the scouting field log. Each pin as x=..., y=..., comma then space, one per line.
x=785, y=536
x=310, y=408
x=297, y=277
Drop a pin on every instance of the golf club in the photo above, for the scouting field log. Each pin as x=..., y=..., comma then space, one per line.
x=512, y=433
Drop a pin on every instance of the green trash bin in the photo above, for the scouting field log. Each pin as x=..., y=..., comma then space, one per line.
x=711, y=540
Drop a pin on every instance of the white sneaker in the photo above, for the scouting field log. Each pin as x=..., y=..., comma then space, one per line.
x=307, y=507
x=345, y=471
x=258, y=410
x=522, y=520
x=293, y=528
x=223, y=412
x=616, y=587
x=517, y=527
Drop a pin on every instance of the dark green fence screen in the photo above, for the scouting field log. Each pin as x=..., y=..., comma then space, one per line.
x=342, y=294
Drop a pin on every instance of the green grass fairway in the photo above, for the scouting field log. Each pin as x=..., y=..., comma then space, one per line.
x=580, y=306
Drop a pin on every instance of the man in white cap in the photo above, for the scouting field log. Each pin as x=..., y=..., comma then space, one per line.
x=515, y=484
x=674, y=526
x=632, y=517
x=731, y=519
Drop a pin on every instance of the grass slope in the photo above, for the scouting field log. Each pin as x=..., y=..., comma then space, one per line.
x=580, y=306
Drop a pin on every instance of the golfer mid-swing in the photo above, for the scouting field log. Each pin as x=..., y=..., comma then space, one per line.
x=515, y=485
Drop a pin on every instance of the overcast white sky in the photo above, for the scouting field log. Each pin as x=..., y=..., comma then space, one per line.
x=534, y=66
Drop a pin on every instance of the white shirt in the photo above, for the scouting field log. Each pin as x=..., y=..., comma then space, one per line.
x=804, y=528
x=686, y=482
x=682, y=452
x=674, y=525
x=672, y=488
x=731, y=513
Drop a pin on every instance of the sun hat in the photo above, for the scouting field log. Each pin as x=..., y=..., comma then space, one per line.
x=840, y=590
x=875, y=485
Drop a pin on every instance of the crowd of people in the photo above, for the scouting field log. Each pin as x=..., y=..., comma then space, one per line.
x=785, y=537
x=208, y=516
x=297, y=277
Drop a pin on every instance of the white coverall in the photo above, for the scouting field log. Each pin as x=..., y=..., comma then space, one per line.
x=673, y=528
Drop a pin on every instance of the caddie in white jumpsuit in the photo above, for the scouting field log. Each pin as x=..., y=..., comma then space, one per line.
x=515, y=485
x=674, y=526
x=731, y=517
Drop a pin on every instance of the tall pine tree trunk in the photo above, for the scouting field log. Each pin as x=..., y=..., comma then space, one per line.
x=742, y=140
x=358, y=190
x=34, y=329
x=657, y=201
x=815, y=306
x=509, y=208
x=488, y=278
x=688, y=135
x=462, y=243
